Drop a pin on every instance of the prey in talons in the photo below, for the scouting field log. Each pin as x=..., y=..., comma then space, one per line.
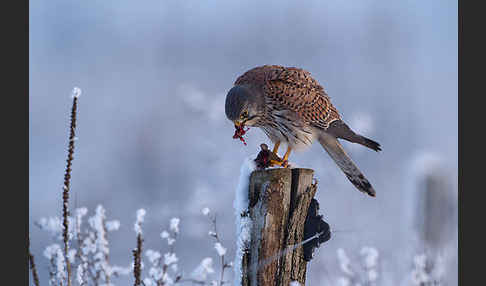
x=267, y=158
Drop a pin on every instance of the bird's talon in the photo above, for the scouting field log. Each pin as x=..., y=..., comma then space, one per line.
x=275, y=163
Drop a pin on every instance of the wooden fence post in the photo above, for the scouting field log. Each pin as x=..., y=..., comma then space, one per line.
x=278, y=203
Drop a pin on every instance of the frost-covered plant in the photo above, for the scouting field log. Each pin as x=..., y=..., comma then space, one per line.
x=159, y=271
x=57, y=270
x=220, y=249
x=164, y=270
x=137, y=252
x=85, y=247
x=427, y=271
x=89, y=253
x=364, y=273
x=345, y=266
x=369, y=262
x=67, y=180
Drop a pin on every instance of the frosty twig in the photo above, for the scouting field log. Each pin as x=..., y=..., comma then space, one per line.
x=67, y=179
x=218, y=246
x=137, y=252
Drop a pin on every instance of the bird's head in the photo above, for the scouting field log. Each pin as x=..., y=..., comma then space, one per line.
x=244, y=105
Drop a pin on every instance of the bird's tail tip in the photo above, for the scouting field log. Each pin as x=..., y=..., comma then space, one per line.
x=371, y=144
x=337, y=153
x=361, y=183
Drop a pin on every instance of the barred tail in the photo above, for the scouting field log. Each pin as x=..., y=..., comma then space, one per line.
x=337, y=153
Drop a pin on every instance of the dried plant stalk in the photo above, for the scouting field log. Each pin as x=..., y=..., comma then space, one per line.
x=32, y=266
x=137, y=258
x=67, y=180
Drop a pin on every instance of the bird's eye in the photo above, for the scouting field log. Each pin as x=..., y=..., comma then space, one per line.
x=244, y=114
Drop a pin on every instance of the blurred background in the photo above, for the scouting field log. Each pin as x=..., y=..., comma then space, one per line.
x=152, y=132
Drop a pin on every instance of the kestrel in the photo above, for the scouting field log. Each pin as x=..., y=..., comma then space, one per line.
x=292, y=108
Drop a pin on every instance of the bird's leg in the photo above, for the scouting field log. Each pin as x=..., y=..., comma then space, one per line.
x=287, y=154
x=282, y=162
x=285, y=162
x=275, y=148
x=275, y=159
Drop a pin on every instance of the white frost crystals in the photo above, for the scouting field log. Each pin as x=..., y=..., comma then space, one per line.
x=204, y=268
x=427, y=271
x=53, y=225
x=370, y=256
x=170, y=258
x=370, y=262
x=364, y=273
x=174, y=224
x=164, y=234
x=243, y=221
x=158, y=273
x=220, y=249
x=76, y=92
x=344, y=262
x=88, y=254
x=205, y=211
x=138, y=223
x=164, y=269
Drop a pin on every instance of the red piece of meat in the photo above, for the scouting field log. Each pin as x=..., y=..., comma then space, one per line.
x=239, y=132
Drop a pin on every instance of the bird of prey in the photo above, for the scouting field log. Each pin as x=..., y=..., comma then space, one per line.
x=292, y=108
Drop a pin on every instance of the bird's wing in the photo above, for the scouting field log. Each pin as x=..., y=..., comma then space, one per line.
x=293, y=89
x=259, y=76
x=337, y=153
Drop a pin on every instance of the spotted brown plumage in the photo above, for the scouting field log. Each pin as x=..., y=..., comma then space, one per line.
x=291, y=107
x=293, y=89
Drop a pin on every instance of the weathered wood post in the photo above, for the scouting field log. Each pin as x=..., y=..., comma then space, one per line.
x=278, y=203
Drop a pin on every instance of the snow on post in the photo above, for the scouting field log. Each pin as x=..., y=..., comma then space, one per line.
x=243, y=221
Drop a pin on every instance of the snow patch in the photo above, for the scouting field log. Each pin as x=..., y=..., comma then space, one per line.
x=243, y=222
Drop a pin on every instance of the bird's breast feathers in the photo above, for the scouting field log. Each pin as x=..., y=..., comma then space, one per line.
x=287, y=127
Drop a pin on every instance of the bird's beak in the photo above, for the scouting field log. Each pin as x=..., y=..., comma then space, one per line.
x=237, y=123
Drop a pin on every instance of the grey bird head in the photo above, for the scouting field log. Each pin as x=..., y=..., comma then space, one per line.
x=244, y=105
